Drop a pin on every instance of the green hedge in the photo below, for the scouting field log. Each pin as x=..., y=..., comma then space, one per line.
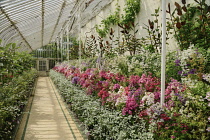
x=13, y=97
x=100, y=122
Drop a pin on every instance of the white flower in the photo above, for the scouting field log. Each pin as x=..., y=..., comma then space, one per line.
x=149, y=98
x=121, y=99
x=123, y=96
x=187, y=103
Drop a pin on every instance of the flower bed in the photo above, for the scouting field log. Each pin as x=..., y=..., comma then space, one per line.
x=184, y=116
x=100, y=122
x=13, y=98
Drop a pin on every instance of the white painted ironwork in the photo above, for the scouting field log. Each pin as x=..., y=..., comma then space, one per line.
x=163, y=55
x=37, y=22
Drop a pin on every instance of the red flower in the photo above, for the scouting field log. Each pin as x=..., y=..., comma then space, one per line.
x=143, y=113
x=103, y=94
x=164, y=117
x=176, y=114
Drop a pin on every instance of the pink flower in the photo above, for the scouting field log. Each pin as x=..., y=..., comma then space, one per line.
x=150, y=83
x=184, y=131
x=133, y=81
x=143, y=113
x=116, y=86
x=173, y=137
x=131, y=105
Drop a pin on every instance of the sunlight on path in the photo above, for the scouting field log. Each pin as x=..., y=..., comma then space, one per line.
x=49, y=118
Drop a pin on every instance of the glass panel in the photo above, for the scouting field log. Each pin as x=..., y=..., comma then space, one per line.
x=42, y=66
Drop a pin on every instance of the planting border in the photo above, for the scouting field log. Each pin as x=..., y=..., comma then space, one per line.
x=94, y=116
x=25, y=115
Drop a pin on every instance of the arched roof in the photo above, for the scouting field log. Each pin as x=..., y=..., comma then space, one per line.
x=33, y=23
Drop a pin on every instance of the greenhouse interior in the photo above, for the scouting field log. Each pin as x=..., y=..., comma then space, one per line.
x=105, y=69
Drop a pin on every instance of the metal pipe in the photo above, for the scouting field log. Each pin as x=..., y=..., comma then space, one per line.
x=163, y=53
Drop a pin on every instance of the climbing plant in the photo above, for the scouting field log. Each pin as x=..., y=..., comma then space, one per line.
x=132, y=8
x=112, y=19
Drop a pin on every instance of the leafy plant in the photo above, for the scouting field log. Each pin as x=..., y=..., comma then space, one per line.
x=13, y=98
x=191, y=24
x=91, y=43
x=132, y=8
x=112, y=19
x=130, y=42
x=13, y=62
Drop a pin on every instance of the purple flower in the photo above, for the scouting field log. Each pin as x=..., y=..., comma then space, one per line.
x=98, y=60
x=187, y=65
x=177, y=62
x=75, y=80
x=196, y=51
x=179, y=72
x=192, y=71
x=85, y=64
x=73, y=67
x=185, y=74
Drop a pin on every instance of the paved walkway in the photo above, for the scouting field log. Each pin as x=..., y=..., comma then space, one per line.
x=48, y=118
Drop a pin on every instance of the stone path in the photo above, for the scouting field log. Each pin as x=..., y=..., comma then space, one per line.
x=48, y=117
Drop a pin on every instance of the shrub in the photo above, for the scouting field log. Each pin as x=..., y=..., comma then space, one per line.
x=13, y=98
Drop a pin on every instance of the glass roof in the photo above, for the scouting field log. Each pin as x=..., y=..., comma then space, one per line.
x=33, y=23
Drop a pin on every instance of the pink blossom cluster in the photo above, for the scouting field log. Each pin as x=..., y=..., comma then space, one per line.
x=134, y=94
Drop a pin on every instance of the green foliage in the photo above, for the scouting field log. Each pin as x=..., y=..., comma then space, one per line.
x=12, y=62
x=154, y=34
x=112, y=19
x=90, y=50
x=195, y=112
x=191, y=24
x=74, y=49
x=123, y=68
x=134, y=65
x=13, y=98
x=171, y=68
x=132, y=8
x=130, y=42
